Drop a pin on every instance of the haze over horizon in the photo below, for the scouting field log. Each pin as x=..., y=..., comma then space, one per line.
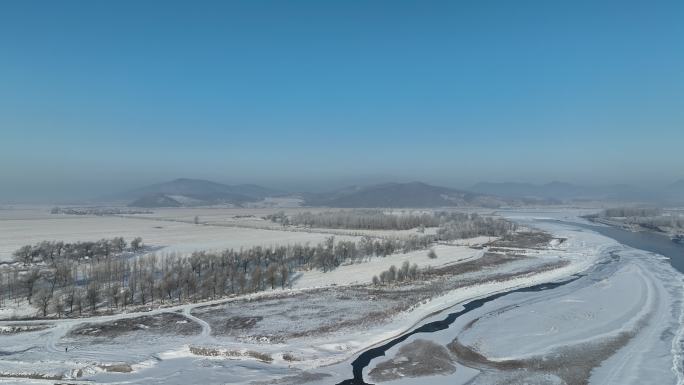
x=103, y=97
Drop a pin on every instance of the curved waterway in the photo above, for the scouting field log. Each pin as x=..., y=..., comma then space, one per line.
x=647, y=241
x=643, y=240
x=364, y=359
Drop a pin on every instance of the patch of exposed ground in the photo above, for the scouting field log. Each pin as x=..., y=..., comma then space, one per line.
x=32, y=376
x=292, y=315
x=164, y=324
x=279, y=317
x=488, y=260
x=524, y=239
x=22, y=328
x=220, y=352
x=417, y=359
x=571, y=365
x=117, y=368
x=287, y=315
x=301, y=378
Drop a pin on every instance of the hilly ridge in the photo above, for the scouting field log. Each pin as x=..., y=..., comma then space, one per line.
x=193, y=192
x=186, y=192
x=401, y=195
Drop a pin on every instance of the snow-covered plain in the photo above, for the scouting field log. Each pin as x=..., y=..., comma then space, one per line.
x=362, y=273
x=19, y=227
x=618, y=323
x=169, y=230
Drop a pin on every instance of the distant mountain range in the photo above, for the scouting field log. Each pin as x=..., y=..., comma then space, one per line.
x=397, y=195
x=195, y=192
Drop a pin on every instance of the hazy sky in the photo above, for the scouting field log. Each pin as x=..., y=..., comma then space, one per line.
x=97, y=94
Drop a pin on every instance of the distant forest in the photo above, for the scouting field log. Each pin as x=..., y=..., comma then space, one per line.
x=373, y=219
x=99, y=211
x=619, y=212
x=649, y=218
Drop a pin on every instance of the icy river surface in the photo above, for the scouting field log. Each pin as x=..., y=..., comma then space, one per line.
x=617, y=322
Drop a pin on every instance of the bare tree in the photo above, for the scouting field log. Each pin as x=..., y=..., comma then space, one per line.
x=284, y=276
x=93, y=295
x=30, y=279
x=58, y=306
x=69, y=298
x=392, y=273
x=23, y=255
x=271, y=274
x=78, y=301
x=256, y=279
x=42, y=298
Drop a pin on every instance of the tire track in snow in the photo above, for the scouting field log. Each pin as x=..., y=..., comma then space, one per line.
x=206, y=328
x=54, y=336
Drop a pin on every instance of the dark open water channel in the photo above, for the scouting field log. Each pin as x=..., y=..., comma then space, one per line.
x=643, y=240
x=647, y=241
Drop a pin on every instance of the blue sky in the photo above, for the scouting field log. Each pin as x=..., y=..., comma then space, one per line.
x=98, y=93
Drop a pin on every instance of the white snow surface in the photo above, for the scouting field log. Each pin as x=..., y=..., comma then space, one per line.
x=166, y=236
x=362, y=273
x=638, y=287
x=640, y=293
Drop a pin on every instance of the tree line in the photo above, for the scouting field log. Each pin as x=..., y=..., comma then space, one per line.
x=51, y=251
x=648, y=217
x=405, y=273
x=370, y=219
x=617, y=212
x=68, y=279
x=99, y=211
x=473, y=225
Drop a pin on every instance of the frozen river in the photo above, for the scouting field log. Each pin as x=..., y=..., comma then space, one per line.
x=619, y=322
x=643, y=240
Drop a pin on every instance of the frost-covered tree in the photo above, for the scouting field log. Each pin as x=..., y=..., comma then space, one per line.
x=23, y=255
x=30, y=279
x=136, y=244
x=284, y=276
x=58, y=306
x=42, y=298
x=92, y=295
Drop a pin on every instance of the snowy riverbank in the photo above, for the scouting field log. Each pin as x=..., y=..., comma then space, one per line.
x=625, y=299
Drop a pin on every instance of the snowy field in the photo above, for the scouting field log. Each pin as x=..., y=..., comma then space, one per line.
x=168, y=230
x=254, y=218
x=616, y=319
x=362, y=273
x=29, y=225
